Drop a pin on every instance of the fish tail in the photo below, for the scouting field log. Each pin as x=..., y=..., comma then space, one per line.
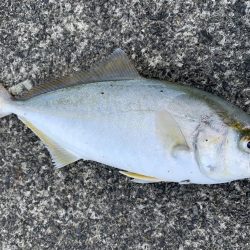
x=5, y=101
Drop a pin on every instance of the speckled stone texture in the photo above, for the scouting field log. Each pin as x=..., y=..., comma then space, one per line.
x=205, y=44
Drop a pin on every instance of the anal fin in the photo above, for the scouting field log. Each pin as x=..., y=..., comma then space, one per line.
x=139, y=178
x=143, y=182
x=60, y=156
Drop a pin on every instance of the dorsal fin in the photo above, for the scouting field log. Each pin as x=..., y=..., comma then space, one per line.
x=116, y=67
x=60, y=156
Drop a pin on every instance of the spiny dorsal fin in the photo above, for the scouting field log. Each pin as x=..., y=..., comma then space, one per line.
x=60, y=156
x=139, y=178
x=116, y=67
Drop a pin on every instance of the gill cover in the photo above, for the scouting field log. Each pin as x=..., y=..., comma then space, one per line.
x=209, y=144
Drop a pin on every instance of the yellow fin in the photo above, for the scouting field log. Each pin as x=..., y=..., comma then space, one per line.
x=170, y=133
x=60, y=156
x=144, y=182
x=140, y=178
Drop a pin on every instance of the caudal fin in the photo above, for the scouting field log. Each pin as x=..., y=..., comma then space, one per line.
x=5, y=100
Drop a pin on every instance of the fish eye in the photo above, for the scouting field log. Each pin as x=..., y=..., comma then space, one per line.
x=245, y=143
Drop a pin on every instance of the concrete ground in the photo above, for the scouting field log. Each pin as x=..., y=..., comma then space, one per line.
x=90, y=206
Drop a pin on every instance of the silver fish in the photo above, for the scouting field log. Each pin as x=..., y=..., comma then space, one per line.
x=152, y=130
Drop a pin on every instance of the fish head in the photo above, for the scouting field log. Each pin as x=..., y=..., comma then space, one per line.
x=222, y=148
x=236, y=164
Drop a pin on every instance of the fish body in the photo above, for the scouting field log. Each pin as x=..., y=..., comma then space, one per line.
x=151, y=129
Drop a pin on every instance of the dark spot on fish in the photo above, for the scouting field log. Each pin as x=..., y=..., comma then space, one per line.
x=211, y=168
x=206, y=139
x=102, y=93
x=161, y=91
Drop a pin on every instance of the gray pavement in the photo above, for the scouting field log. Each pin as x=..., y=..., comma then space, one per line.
x=90, y=206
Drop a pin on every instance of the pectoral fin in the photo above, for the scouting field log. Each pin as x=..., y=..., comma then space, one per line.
x=170, y=134
x=138, y=178
x=60, y=156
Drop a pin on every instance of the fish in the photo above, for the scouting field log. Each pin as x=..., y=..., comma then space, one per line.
x=151, y=130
